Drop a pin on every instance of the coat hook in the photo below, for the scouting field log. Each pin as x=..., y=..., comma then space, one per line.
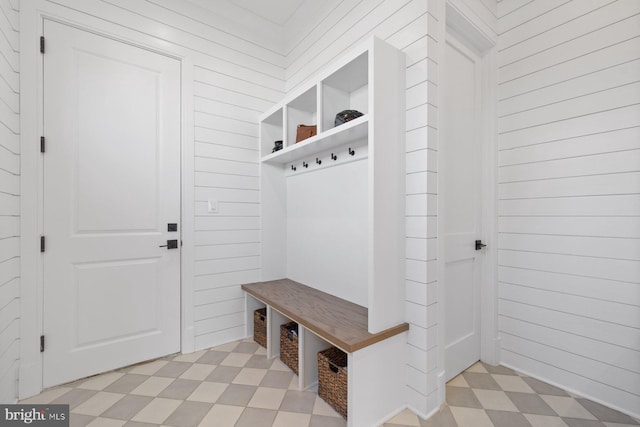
x=318, y=161
x=305, y=164
x=352, y=152
x=334, y=157
x=293, y=168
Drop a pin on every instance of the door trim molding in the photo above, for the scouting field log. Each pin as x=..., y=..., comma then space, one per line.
x=32, y=16
x=462, y=22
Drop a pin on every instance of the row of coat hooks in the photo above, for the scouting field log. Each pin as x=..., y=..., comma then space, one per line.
x=334, y=157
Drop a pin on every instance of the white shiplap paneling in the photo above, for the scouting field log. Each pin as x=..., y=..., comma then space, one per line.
x=9, y=200
x=569, y=156
x=227, y=244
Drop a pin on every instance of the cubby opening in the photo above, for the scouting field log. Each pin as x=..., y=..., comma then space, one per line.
x=312, y=344
x=303, y=110
x=271, y=130
x=276, y=319
x=252, y=305
x=346, y=89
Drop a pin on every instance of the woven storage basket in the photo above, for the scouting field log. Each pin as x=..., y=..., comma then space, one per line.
x=332, y=379
x=289, y=345
x=260, y=326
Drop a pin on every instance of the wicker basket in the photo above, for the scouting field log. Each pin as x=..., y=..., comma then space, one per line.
x=289, y=345
x=332, y=379
x=260, y=326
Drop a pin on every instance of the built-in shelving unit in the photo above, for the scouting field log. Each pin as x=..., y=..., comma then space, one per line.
x=333, y=204
x=333, y=219
x=346, y=88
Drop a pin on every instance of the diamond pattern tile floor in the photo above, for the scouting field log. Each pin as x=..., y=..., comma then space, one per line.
x=236, y=385
x=495, y=396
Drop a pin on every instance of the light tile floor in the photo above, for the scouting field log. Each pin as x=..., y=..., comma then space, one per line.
x=495, y=396
x=236, y=385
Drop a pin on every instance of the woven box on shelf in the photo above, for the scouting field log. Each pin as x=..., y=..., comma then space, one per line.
x=332, y=379
x=260, y=326
x=289, y=345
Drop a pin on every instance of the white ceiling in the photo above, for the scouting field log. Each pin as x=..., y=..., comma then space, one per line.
x=277, y=11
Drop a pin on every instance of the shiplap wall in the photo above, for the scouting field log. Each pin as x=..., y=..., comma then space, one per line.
x=238, y=72
x=404, y=24
x=569, y=195
x=9, y=199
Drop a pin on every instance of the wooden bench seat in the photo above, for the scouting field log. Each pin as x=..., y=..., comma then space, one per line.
x=340, y=322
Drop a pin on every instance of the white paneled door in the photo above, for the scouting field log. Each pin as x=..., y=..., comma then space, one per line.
x=461, y=205
x=111, y=175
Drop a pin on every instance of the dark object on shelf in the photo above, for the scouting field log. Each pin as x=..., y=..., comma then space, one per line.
x=332, y=379
x=260, y=326
x=289, y=345
x=277, y=146
x=346, y=116
x=305, y=131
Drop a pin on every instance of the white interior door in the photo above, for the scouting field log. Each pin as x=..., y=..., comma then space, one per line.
x=111, y=186
x=460, y=173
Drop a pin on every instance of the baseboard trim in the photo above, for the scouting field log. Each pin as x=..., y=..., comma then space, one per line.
x=442, y=389
x=423, y=415
x=390, y=415
x=188, y=340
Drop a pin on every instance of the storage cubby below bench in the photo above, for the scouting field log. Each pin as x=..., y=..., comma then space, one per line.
x=376, y=373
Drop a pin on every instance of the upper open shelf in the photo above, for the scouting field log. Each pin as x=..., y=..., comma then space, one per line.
x=345, y=86
x=335, y=137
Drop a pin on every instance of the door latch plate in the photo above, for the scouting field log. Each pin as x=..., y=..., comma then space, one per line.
x=479, y=245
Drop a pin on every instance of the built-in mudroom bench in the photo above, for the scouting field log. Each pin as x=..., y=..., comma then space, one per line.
x=332, y=242
x=374, y=361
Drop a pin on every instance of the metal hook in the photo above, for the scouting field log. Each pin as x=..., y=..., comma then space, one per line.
x=293, y=168
x=352, y=152
x=318, y=161
x=334, y=157
x=305, y=164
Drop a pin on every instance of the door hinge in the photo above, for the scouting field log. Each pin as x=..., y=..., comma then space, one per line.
x=41, y=343
x=41, y=243
x=42, y=144
x=41, y=44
